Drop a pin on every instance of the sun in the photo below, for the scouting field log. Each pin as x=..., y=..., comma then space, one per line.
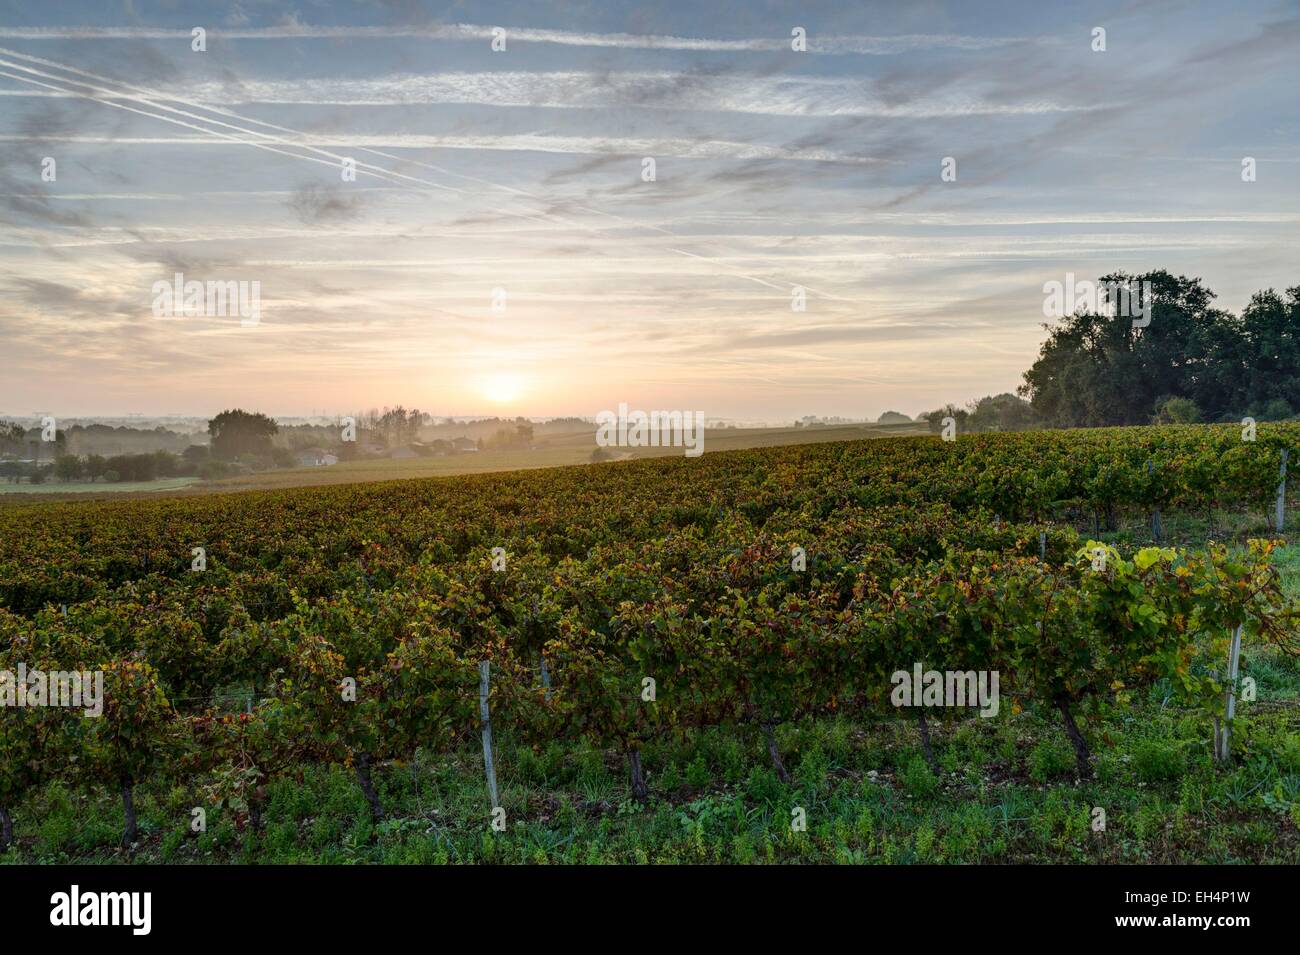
x=502, y=387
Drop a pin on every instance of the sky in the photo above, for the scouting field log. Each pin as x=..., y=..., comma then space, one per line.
x=503, y=248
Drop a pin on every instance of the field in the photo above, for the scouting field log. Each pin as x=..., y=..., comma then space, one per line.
x=75, y=489
x=689, y=660
x=554, y=450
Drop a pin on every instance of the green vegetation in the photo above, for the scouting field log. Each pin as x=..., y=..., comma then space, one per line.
x=1192, y=362
x=714, y=797
x=554, y=450
x=86, y=488
x=687, y=656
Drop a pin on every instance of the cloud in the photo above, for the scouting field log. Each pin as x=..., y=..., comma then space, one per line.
x=315, y=204
x=608, y=150
x=750, y=93
x=67, y=301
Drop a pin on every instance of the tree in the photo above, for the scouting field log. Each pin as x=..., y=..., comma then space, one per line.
x=893, y=417
x=935, y=418
x=1177, y=410
x=399, y=426
x=195, y=455
x=1270, y=328
x=134, y=467
x=239, y=432
x=12, y=436
x=1097, y=369
x=68, y=467
x=96, y=465
x=505, y=439
x=165, y=464
x=1276, y=410
x=1004, y=412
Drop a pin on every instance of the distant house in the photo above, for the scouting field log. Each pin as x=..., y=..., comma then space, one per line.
x=315, y=457
x=463, y=444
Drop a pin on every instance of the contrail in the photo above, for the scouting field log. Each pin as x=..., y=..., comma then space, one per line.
x=335, y=159
x=829, y=45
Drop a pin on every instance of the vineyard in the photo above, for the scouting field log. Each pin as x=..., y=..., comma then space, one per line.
x=703, y=644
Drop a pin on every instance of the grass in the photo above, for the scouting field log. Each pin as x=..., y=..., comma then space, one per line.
x=97, y=488
x=1006, y=793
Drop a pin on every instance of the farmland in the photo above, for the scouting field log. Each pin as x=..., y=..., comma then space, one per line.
x=559, y=450
x=685, y=658
x=555, y=450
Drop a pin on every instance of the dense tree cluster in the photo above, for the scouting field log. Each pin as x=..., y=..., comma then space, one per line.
x=1193, y=362
x=239, y=432
x=1003, y=412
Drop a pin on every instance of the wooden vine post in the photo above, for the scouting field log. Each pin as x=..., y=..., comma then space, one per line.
x=1279, y=520
x=1223, y=730
x=1157, y=532
x=485, y=716
x=546, y=678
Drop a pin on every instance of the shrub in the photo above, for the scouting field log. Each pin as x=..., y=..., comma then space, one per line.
x=1177, y=411
x=1157, y=761
x=1051, y=757
x=918, y=778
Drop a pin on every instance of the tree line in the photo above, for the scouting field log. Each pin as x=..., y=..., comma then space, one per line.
x=1192, y=363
